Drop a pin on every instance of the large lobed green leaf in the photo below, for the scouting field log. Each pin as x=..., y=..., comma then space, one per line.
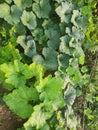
x=18, y=101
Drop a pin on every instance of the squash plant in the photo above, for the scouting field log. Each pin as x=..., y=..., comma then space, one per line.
x=39, y=36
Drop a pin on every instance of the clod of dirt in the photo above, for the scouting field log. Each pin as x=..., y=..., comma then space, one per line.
x=8, y=120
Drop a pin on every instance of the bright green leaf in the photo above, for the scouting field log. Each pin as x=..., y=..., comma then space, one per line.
x=16, y=73
x=36, y=70
x=81, y=60
x=86, y=10
x=18, y=101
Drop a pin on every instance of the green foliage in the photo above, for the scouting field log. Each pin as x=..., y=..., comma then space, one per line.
x=9, y=53
x=50, y=60
x=64, y=11
x=28, y=45
x=70, y=95
x=15, y=14
x=41, y=8
x=39, y=35
x=45, y=94
x=18, y=101
x=57, y=34
x=38, y=118
x=5, y=10
x=29, y=19
x=16, y=74
x=52, y=100
x=22, y=4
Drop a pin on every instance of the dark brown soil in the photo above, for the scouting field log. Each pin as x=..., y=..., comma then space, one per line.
x=8, y=120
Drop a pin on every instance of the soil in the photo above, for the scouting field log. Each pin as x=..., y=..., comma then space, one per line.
x=8, y=120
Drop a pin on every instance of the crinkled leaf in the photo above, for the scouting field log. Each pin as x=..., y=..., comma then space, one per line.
x=42, y=83
x=42, y=9
x=64, y=11
x=74, y=63
x=18, y=101
x=75, y=15
x=64, y=45
x=69, y=95
x=37, y=70
x=30, y=49
x=50, y=58
x=9, y=53
x=5, y=85
x=76, y=33
x=51, y=91
x=29, y=19
x=38, y=117
x=79, y=52
x=71, y=119
x=28, y=45
x=73, y=43
x=16, y=73
x=78, y=20
x=53, y=87
x=63, y=60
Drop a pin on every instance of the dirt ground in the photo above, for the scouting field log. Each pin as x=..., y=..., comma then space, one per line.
x=8, y=120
